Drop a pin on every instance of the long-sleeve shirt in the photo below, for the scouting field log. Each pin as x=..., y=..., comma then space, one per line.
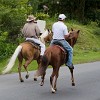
x=30, y=30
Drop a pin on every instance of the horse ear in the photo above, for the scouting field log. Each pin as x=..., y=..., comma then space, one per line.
x=78, y=31
x=71, y=29
x=48, y=30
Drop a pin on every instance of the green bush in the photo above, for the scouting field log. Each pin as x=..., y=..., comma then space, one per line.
x=98, y=17
x=97, y=31
x=6, y=48
x=42, y=16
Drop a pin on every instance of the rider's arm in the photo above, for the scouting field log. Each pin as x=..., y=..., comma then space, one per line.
x=37, y=30
x=66, y=34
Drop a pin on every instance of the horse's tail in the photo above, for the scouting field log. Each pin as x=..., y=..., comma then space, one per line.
x=12, y=60
x=46, y=58
x=44, y=64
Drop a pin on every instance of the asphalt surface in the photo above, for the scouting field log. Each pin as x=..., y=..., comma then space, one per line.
x=87, y=79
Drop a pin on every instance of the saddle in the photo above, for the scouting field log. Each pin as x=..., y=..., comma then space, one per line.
x=36, y=45
x=62, y=48
x=60, y=45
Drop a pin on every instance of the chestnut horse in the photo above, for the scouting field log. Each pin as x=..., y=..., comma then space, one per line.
x=28, y=51
x=56, y=56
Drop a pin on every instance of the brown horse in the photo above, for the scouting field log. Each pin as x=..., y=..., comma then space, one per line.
x=55, y=56
x=27, y=51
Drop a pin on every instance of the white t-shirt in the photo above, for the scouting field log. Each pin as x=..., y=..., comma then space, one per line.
x=59, y=29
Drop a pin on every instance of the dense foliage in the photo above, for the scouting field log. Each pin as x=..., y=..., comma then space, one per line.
x=13, y=15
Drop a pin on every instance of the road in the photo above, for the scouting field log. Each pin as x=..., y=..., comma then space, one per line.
x=87, y=79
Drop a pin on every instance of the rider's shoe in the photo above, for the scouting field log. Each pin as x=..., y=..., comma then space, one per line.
x=71, y=67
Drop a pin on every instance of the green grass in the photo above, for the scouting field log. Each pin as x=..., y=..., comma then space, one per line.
x=78, y=57
x=87, y=48
x=86, y=56
x=32, y=66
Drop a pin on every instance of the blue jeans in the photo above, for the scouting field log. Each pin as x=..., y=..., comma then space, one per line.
x=68, y=48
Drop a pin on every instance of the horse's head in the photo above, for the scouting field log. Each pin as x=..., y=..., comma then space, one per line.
x=73, y=35
x=44, y=35
x=48, y=38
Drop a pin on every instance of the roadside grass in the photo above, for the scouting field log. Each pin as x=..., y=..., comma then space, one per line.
x=78, y=57
x=87, y=48
x=86, y=56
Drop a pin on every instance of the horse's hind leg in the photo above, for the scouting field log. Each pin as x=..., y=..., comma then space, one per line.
x=56, y=77
x=51, y=81
x=19, y=68
x=36, y=73
x=72, y=77
x=27, y=62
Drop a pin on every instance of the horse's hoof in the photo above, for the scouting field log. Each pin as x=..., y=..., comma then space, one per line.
x=27, y=76
x=73, y=84
x=53, y=91
x=41, y=84
x=35, y=79
x=21, y=80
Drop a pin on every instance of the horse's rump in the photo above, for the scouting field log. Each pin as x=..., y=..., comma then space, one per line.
x=55, y=54
x=29, y=50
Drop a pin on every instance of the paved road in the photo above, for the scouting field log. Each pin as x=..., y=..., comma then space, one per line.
x=87, y=79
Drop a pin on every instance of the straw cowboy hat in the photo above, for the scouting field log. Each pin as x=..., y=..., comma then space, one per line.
x=30, y=18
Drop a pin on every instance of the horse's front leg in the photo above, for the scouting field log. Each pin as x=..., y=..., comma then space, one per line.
x=42, y=77
x=25, y=66
x=72, y=77
x=37, y=73
x=55, y=83
x=27, y=75
x=35, y=76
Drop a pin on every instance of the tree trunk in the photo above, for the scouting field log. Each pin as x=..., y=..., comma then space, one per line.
x=80, y=9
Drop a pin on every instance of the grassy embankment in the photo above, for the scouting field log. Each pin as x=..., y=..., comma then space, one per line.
x=87, y=48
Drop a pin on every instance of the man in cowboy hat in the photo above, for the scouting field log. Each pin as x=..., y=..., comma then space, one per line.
x=31, y=32
x=60, y=31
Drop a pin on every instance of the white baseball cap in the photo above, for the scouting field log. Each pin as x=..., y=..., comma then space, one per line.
x=61, y=17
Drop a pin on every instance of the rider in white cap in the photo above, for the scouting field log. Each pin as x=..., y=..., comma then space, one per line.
x=60, y=31
x=61, y=17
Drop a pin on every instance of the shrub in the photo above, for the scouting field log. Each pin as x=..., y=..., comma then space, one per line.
x=42, y=16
